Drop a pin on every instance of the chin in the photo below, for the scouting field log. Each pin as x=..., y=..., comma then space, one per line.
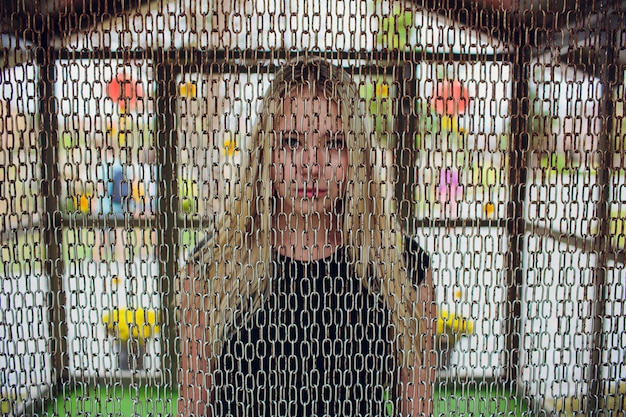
x=310, y=207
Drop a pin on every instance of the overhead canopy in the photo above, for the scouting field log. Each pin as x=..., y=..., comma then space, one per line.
x=580, y=29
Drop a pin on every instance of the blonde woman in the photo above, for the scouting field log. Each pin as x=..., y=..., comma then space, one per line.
x=308, y=300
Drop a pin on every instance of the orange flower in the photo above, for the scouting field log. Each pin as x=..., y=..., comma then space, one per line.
x=125, y=91
x=449, y=98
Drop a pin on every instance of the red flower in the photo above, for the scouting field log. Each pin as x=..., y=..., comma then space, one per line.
x=449, y=98
x=124, y=91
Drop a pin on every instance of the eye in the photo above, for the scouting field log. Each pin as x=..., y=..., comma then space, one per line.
x=290, y=140
x=335, y=141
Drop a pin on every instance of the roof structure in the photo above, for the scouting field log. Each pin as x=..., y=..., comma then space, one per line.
x=580, y=29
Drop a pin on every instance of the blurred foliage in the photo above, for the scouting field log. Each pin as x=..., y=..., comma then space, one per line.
x=188, y=194
x=379, y=97
x=617, y=229
x=612, y=403
x=10, y=401
x=395, y=29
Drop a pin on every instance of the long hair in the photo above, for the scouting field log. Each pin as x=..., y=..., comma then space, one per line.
x=233, y=265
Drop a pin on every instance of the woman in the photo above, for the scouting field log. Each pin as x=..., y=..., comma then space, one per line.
x=306, y=300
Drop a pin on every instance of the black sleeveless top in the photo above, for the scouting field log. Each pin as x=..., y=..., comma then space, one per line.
x=319, y=345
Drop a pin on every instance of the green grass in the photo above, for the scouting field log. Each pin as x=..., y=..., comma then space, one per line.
x=157, y=401
x=490, y=401
x=115, y=402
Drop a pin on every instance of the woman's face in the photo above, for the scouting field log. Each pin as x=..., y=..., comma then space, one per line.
x=309, y=158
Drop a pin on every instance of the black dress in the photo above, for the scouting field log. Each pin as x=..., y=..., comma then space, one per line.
x=319, y=346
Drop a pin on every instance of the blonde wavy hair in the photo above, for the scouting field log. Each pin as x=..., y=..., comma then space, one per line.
x=233, y=264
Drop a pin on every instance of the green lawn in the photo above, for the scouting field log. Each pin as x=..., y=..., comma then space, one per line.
x=115, y=402
x=156, y=401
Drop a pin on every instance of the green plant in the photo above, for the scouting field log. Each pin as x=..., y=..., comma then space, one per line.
x=395, y=29
x=188, y=192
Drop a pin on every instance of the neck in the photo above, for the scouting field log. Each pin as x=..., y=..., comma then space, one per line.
x=306, y=237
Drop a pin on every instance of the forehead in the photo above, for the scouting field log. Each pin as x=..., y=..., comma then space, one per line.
x=306, y=104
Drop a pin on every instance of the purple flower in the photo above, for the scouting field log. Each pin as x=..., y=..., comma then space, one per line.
x=449, y=188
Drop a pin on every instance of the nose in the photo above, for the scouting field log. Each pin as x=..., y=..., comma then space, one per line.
x=311, y=161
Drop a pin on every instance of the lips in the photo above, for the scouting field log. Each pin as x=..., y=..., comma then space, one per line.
x=311, y=192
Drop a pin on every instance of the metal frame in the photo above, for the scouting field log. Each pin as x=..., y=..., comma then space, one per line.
x=171, y=62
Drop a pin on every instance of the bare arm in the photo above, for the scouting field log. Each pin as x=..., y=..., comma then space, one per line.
x=194, y=374
x=416, y=384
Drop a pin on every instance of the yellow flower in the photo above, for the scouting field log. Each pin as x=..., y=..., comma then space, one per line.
x=132, y=323
x=230, y=145
x=188, y=89
x=453, y=325
x=450, y=124
x=82, y=202
x=121, y=139
x=382, y=90
x=490, y=208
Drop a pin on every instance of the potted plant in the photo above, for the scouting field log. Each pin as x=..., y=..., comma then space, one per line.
x=450, y=328
x=131, y=328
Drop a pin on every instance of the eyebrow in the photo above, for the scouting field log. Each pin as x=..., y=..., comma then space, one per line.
x=333, y=133
x=289, y=132
x=326, y=133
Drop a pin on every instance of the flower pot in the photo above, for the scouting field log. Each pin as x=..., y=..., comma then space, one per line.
x=130, y=355
x=444, y=346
